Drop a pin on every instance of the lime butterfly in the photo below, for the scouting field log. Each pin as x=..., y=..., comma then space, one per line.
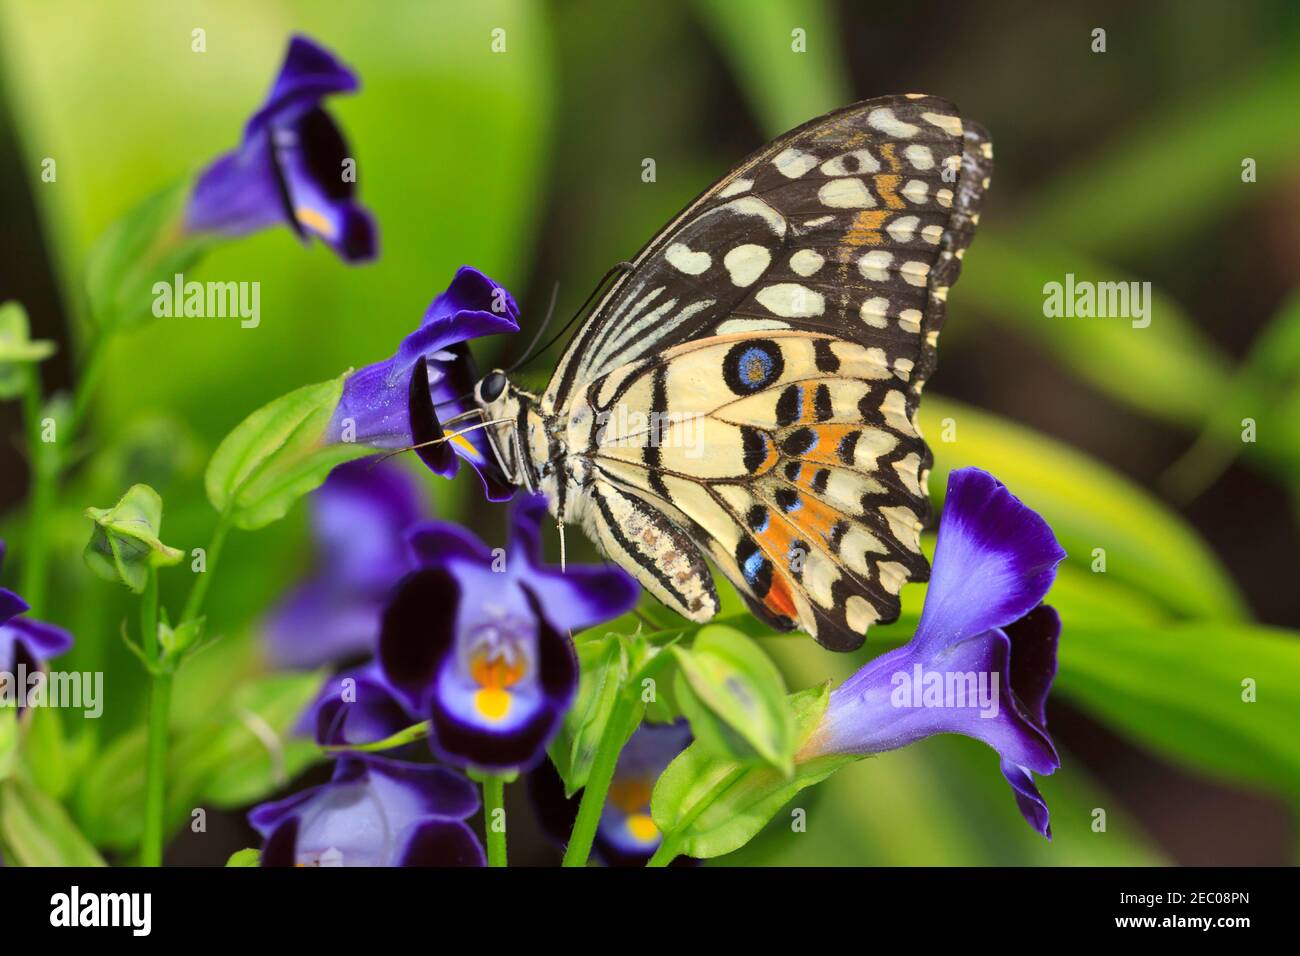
x=746, y=390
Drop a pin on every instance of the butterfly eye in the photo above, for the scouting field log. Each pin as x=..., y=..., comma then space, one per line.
x=490, y=389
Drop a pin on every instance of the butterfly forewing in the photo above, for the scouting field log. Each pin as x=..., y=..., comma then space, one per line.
x=779, y=332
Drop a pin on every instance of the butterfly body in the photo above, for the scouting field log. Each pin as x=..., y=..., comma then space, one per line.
x=746, y=392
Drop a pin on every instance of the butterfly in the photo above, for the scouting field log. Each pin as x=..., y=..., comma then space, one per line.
x=746, y=390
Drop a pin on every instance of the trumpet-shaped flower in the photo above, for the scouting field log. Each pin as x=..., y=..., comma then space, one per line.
x=293, y=165
x=984, y=654
x=359, y=520
x=393, y=403
x=374, y=812
x=477, y=640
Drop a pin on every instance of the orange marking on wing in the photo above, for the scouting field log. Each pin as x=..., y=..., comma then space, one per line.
x=829, y=435
x=887, y=186
x=814, y=518
x=779, y=599
x=865, y=228
x=890, y=152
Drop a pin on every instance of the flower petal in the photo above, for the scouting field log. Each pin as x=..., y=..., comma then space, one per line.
x=909, y=694
x=355, y=707
x=442, y=843
x=309, y=73
x=11, y=605
x=463, y=742
x=42, y=641
x=321, y=621
x=581, y=595
x=994, y=562
x=310, y=152
x=417, y=632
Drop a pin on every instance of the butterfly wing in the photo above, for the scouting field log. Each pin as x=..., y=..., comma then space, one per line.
x=790, y=314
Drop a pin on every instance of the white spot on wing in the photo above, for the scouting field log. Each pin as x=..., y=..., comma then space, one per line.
x=914, y=272
x=793, y=163
x=791, y=300
x=874, y=312
x=949, y=124
x=884, y=120
x=806, y=262
x=750, y=325
x=875, y=265
x=736, y=188
x=681, y=258
x=903, y=229
x=850, y=164
x=919, y=156
x=847, y=193
x=746, y=263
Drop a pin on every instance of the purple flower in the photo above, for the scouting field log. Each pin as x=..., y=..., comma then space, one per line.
x=627, y=834
x=373, y=812
x=356, y=707
x=359, y=518
x=393, y=404
x=477, y=640
x=290, y=166
x=25, y=643
x=984, y=654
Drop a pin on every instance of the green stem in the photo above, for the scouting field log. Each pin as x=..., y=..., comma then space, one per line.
x=199, y=591
x=44, y=464
x=624, y=719
x=160, y=693
x=494, y=795
x=47, y=465
x=668, y=848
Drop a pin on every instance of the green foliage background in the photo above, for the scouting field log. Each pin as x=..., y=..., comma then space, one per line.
x=527, y=165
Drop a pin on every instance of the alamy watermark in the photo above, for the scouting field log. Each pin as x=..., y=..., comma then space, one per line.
x=1084, y=299
x=946, y=689
x=68, y=690
x=623, y=426
x=209, y=300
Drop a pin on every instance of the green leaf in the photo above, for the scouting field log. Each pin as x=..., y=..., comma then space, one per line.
x=8, y=741
x=735, y=698
x=249, y=857
x=277, y=455
x=707, y=805
x=1190, y=148
x=46, y=753
x=124, y=544
x=603, y=664
x=249, y=751
x=236, y=756
x=1265, y=388
x=1147, y=547
x=1169, y=370
x=17, y=350
x=146, y=246
x=784, y=88
x=37, y=830
x=1178, y=690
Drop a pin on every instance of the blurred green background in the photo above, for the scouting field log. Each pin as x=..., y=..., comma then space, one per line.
x=527, y=164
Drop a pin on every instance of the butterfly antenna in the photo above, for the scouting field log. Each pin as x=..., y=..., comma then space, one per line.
x=541, y=329
x=560, y=525
x=445, y=438
x=616, y=270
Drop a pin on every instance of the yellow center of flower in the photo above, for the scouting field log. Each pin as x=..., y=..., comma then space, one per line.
x=314, y=220
x=495, y=676
x=642, y=827
x=632, y=796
